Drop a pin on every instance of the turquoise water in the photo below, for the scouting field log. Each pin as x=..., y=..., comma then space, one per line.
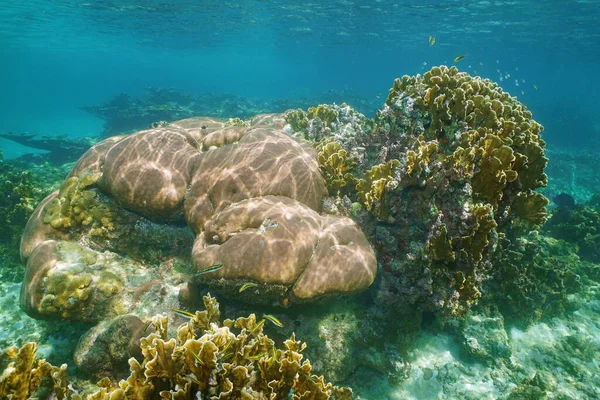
x=63, y=64
x=59, y=55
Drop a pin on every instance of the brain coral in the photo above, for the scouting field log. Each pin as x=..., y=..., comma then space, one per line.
x=250, y=194
x=277, y=240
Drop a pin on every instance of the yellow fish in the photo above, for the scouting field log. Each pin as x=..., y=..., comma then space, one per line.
x=273, y=320
x=212, y=268
x=247, y=285
x=457, y=59
x=184, y=313
x=197, y=357
x=432, y=40
x=256, y=357
x=257, y=326
x=147, y=325
x=196, y=381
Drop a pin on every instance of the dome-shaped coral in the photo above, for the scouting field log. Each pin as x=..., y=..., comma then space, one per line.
x=254, y=187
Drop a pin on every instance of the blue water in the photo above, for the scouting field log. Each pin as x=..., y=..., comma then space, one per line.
x=58, y=55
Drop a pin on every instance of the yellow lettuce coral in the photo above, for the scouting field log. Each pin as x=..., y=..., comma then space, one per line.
x=25, y=375
x=324, y=112
x=486, y=135
x=417, y=161
x=204, y=360
x=336, y=166
x=371, y=190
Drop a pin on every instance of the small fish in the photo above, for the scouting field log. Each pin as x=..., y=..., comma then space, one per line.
x=535, y=86
x=432, y=40
x=247, y=285
x=227, y=355
x=227, y=346
x=458, y=58
x=210, y=269
x=257, y=326
x=183, y=312
x=522, y=92
x=564, y=201
x=197, y=357
x=273, y=354
x=256, y=357
x=475, y=71
x=147, y=325
x=424, y=62
x=191, y=378
x=273, y=320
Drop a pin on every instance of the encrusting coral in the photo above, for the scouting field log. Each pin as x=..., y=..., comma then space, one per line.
x=76, y=205
x=206, y=359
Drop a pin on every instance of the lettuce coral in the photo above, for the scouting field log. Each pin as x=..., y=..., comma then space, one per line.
x=206, y=359
x=372, y=188
x=336, y=166
x=470, y=158
x=480, y=131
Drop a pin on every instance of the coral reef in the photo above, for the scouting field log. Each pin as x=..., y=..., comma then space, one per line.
x=22, y=186
x=447, y=167
x=371, y=189
x=533, y=278
x=61, y=149
x=125, y=113
x=17, y=201
x=470, y=159
x=27, y=377
x=253, y=188
x=205, y=359
x=580, y=226
x=76, y=205
x=288, y=209
x=336, y=167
